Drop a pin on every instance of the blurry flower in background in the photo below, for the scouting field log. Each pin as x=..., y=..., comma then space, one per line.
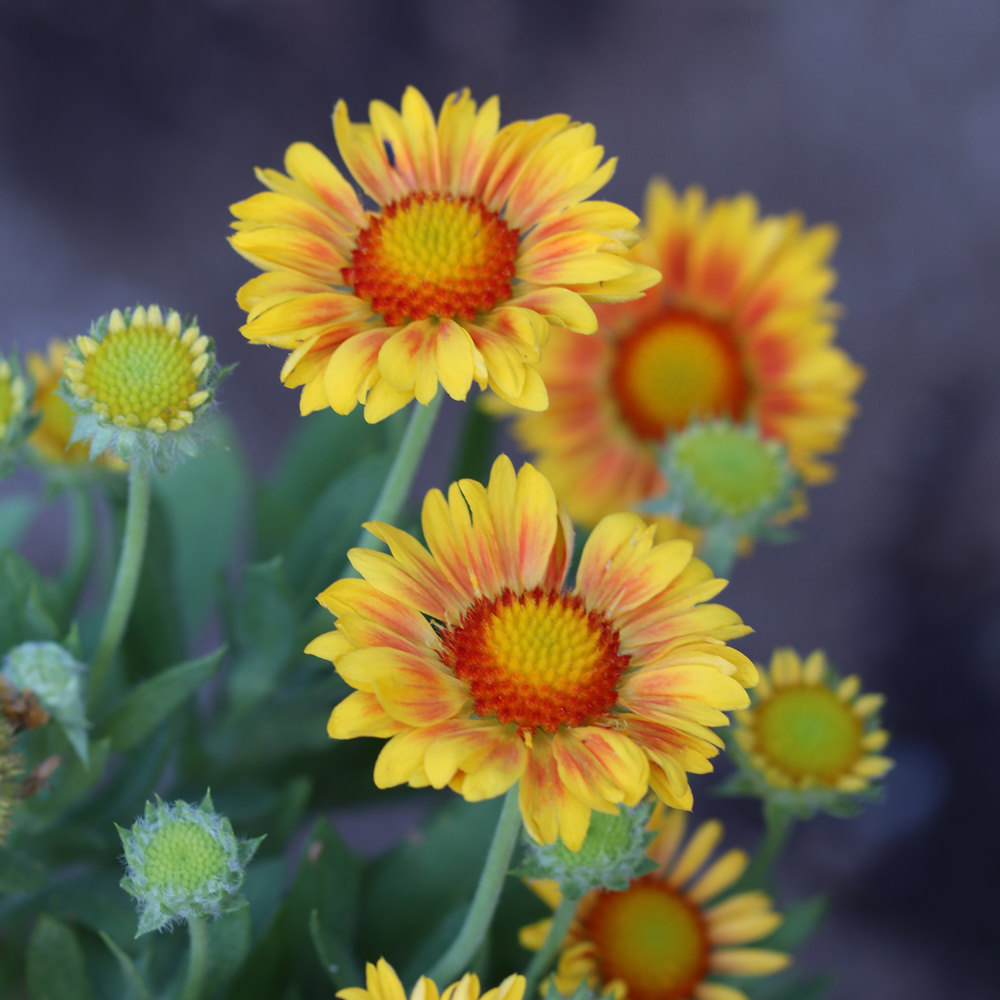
x=740, y=328
x=382, y=983
x=482, y=238
x=14, y=411
x=483, y=671
x=138, y=383
x=809, y=739
x=663, y=938
x=50, y=438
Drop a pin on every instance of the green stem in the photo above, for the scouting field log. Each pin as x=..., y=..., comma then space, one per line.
x=539, y=965
x=719, y=545
x=197, y=959
x=779, y=825
x=475, y=454
x=80, y=552
x=457, y=958
x=126, y=576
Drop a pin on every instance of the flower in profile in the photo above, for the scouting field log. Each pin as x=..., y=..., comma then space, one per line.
x=50, y=439
x=382, y=983
x=184, y=863
x=138, y=383
x=482, y=237
x=484, y=671
x=14, y=405
x=664, y=937
x=810, y=740
x=740, y=328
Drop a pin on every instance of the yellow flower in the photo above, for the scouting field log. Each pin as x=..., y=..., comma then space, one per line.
x=663, y=938
x=740, y=328
x=137, y=384
x=50, y=439
x=483, y=237
x=483, y=670
x=382, y=983
x=809, y=737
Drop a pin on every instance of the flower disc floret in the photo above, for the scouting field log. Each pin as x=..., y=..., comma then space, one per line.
x=138, y=383
x=665, y=936
x=740, y=329
x=810, y=740
x=482, y=238
x=484, y=670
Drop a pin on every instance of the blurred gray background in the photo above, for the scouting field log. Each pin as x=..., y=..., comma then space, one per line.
x=127, y=128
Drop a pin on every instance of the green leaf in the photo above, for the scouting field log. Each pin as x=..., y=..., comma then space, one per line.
x=206, y=506
x=800, y=922
x=28, y=612
x=264, y=625
x=801, y=988
x=323, y=446
x=16, y=513
x=318, y=551
x=19, y=873
x=228, y=946
x=135, y=988
x=148, y=704
x=55, y=963
x=441, y=869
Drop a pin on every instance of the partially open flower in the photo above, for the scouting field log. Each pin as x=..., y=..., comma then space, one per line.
x=809, y=740
x=668, y=935
x=139, y=384
x=184, y=863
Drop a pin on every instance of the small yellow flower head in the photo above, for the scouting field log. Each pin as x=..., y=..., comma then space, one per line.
x=10, y=771
x=15, y=398
x=184, y=863
x=809, y=740
x=613, y=853
x=382, y=983
x=139, y=383
x=55, y=677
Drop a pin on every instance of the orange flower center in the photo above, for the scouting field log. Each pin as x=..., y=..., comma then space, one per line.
x=650, y=937
x=539, y=659
x=676, y=367
x=433, y=255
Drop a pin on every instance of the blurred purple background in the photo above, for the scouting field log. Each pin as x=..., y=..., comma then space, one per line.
x=128, y=128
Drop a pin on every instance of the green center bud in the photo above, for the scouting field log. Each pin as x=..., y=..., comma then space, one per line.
x=184, y=863
x=612, y=854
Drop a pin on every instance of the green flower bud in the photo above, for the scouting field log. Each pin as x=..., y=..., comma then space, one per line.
x=55, y=677
x=184, y=863
x=140, y=384
x=612, y=855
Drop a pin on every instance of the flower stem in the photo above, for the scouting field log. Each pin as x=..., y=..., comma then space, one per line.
x=126, y=576
x=779, y=825
x=539, y=965
x=197, y=959
x=411, y=449
x=457, y=958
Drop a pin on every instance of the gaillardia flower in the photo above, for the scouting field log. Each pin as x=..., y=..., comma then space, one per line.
x=483, y=670
x=740, y=328
x=137, y=384
x=809, y=740
x=382, y=983
x=663, y=938
x=50, y=438
x=482, y=237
